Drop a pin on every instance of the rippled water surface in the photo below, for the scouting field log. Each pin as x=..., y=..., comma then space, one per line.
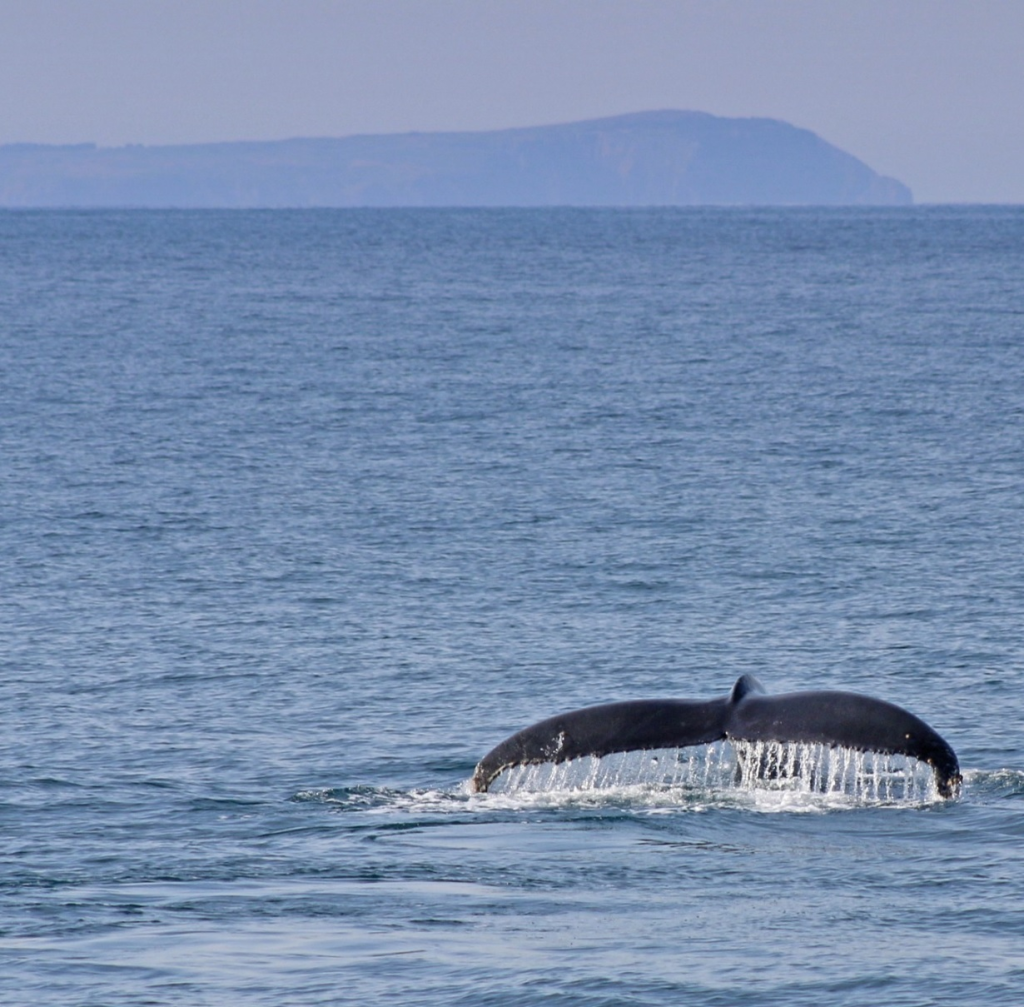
x=302, y=513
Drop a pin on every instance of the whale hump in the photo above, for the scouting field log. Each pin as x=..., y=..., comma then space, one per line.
x=748, y=713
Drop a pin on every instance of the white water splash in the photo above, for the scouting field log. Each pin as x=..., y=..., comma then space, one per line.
x=816, y=773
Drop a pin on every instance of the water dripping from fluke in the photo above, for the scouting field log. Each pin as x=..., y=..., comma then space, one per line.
x=809, y=774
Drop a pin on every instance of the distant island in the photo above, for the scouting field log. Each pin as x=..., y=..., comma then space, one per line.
x=666, y=158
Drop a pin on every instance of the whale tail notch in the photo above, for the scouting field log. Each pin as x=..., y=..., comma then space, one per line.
x=747, y=714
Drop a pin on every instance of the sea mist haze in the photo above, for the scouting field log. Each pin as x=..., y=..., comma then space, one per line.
x=304, y=511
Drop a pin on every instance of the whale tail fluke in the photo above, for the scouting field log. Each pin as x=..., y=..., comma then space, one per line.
x=748, y=714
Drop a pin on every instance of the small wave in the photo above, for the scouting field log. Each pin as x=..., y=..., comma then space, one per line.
x=994, y=784
x=384, y=799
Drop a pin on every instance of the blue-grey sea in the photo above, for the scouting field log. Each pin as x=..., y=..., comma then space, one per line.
x=301, y=512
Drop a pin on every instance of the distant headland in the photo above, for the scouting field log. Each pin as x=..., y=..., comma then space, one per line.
x=666, y=158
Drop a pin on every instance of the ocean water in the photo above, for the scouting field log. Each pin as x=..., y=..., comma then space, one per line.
x=303, y=512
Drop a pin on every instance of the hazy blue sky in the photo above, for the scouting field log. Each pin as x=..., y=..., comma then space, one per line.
x=930, y=91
